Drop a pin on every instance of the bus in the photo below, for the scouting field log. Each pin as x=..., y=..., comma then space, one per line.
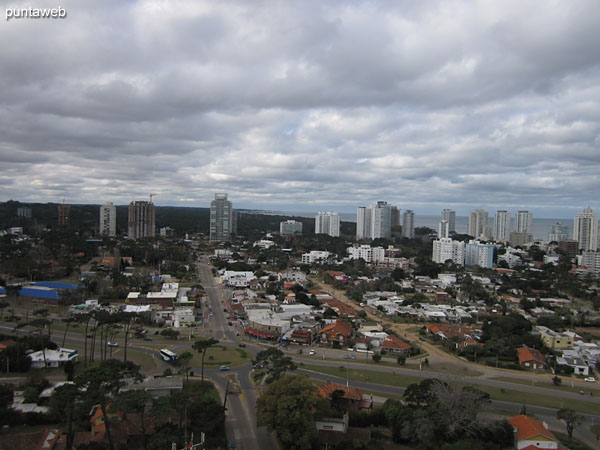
x=168, y=355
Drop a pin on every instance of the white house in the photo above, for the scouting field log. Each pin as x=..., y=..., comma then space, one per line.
x=52, y=358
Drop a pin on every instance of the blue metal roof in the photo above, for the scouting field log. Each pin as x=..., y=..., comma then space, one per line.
x=55, y=285
x=39, y=293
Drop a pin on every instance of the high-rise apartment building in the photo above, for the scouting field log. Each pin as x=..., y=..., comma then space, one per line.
x=221, y=218
x=395, y=216
x=374, y=221
x=445, y=249
x=64, y=214
x=142, y=220
x=585, y=230
x=108, y=220
x=449, y=215
x=524, y=222
x=502, y=226
x=558, y=232
x=478, y=224
x=327, y=223
x=478, y=254
x=443, y=229
x=24, y=211
x=290, y=227
x=408, y=224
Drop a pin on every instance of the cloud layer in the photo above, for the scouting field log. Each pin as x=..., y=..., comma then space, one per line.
x=305, y=105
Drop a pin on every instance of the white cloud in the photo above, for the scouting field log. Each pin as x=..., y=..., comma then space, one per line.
x=304, y=103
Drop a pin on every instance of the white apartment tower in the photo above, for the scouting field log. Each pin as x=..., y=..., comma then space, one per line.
x=221, y=218
x=502, y=226
x=478, y=223
x=108, y=220
x=443, y=229
x=449, y=215
x=585, y=230
x=290, y=228
x=327, y=223
x=524, y=222
x=445, y=249
x=408, y=224
x=374, y=221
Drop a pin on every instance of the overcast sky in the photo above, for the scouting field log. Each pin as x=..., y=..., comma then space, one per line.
x=307, y=105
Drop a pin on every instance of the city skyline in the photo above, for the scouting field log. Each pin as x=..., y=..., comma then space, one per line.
x=305, y=106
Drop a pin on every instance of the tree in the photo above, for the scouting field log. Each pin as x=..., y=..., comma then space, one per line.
x=102, y=384
x=201, y=347
x=286, y=408
x=571, y=419
x=183, y=361
x=557, y=381
x=376, y=357
x=141, y=411
x=275, y=361
x=62, y=404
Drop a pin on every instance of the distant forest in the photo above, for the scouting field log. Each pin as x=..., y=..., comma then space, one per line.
x=85, y=219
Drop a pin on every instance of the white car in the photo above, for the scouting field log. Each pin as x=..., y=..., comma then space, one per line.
x=112, y=344
x=590, y=379
x=312, y=352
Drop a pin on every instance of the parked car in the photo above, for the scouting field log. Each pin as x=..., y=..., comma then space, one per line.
x=112, y=344
x=224, y=368
x=230, y=324
x=346, y=356
x=590, y=379
x=241, y=344
x=299, y=351
x=353, y=357
x=312, y=352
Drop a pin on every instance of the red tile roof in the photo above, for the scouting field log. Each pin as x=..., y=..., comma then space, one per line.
x=530, y=354
x=339, y=327
x=528, y=428
x=350, y=393
x=395, y=342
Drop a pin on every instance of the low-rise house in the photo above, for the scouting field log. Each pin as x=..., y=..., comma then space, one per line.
x=531, y=358
x=157, y=387
x=52, y=358
x=348, y=397
x=395, y=346
x=553, y=339
x=577, y=363
x=339, y=333
x=531, y=434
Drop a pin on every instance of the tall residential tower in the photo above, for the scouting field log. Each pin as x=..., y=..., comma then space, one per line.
x=585, y=230
x=142, y=220
x=327, y=223
x=221, y=218
x=108, y=220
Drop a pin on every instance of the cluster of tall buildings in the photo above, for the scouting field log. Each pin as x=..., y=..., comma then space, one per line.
x=376, y=221
x=501, y=230
x=585, y=236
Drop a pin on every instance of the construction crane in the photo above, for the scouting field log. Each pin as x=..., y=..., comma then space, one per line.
x=152, y=195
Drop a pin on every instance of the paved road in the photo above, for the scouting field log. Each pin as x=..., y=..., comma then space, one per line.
x=317, y=360
x=241, y=413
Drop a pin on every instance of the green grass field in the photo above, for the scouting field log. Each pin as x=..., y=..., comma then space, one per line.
x=565, y=386
x=221, y=355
